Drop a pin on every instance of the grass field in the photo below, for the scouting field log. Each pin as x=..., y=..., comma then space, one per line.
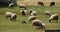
x=12, y=26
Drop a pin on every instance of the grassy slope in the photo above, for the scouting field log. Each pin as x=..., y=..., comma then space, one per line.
x=9, y=26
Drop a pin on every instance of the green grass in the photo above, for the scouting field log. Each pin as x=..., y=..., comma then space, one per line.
x=11, y=26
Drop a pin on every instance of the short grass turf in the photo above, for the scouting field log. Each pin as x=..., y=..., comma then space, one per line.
x=17, y=26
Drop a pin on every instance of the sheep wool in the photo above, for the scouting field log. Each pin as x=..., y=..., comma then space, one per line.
x=52, y=16
x=31, y=18
x=33, y=13
x=48, y=13
x=38, y=24
x=11, y=4
x=8, y=14
x=13, y=16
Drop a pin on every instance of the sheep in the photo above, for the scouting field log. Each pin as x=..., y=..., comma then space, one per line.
x=48, y=13
x=52, y=4
x=13, y=17
x=38, y=24
x=23, y=12
x=41, y=3
x=54, y=17
x=31, y=18
x=24, y=21
x=33, y=13
x=11, y=5
x=8, y=14
x=23, y=7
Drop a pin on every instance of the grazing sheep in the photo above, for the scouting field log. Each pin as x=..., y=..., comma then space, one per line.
x=11, y=5
x=13, y=17
x=54, y=17
x=41, y=3
x=52, y=4
x=38, y=24
x=48, y=13
x=24, y=21
x=23, y=7
x=33, y=13
x=23, y=12
x=32, y=18
x=8, y=14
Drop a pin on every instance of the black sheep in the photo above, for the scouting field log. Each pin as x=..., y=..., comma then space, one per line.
x=52, y=4
x=40, y=3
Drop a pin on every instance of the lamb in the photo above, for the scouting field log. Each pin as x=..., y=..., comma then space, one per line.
x=54, y=17
x=37, y=23
x=48, y=13
x=8, y=14
x=13, y=17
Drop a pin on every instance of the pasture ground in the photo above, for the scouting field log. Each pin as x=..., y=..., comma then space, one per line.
x=16, y=26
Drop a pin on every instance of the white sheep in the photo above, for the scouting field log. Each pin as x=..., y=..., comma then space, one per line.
x=37, y=23
x=31, y=18
x=48, y=13
x=11, y=4
x=8, y=14
x=54, y=17
x=23, y=12
x=33, y=13
x=24, y=7
x=13, y=17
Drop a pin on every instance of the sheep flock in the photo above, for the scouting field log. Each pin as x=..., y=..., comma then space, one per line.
x=32, y=17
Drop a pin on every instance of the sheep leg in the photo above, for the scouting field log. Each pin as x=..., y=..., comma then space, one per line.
x=56, y=21
x=50, y=21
